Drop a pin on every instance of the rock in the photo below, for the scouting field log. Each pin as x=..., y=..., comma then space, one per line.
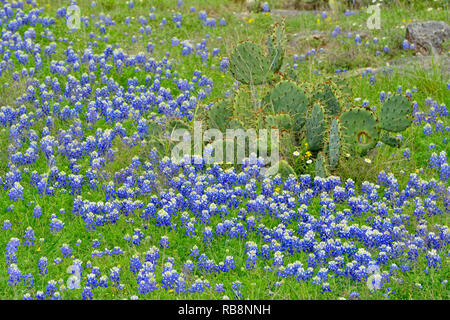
x=408, y=65
x=428, y=36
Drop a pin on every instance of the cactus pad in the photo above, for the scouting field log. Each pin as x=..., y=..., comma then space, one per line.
x=359, y=129
x=320, y=165
x=248, y=64
x=328, y=99
x=275, y=46
x=287, y=97
x=334, y=144
x=280, y=121
x=282, y=168
x=395, y=114
x=390, y=140
x=219, y=114
x=315, y=128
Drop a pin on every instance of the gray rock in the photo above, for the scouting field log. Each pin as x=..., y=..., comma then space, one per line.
x=409, y=65
x=428, y=36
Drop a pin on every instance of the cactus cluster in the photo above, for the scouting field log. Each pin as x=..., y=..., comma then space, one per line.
x=321, y=112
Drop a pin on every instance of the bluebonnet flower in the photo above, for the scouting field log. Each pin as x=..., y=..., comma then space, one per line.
x=164, y=242
x=87, y=293
x=219, y=288
x=66, y=250
x=56, y=225
x=16, y=192
x=236, y=288
x=427, y=130
x=6, y=225
x=37, y=212
x=433, y=259
x=43, y=265
x=29, y=237
x=405, y=45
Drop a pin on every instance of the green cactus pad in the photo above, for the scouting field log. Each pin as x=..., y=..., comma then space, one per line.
x=282, y=168
x=328, y=99
x=236, y=124
x=219, y=114
x=244, y=108
x=315, y=128
x=248, y=65
x=177, y=124
x=359, y=130
x=280, y=121
x=395, y=114
x=334, y=144
x=390, y=140
x=275, y=46
x=154, y=128
x=288, y=97
x=320, y=170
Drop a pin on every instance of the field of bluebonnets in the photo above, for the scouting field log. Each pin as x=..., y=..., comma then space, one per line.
x=93, y=207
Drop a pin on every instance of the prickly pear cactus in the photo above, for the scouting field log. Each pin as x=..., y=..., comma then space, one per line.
x=334, y=144
x=248, y=64
x=177, y=124
x=390, y=140
x=219, y=114
x=287, y=97
x=320, y=165
x=395, y=114
x=243, y=107
x=359, y=129
x=327, y=98
x=236, y=124
x=275, y=45
x=154, y=128
x=315, y=128
x=280, y=121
